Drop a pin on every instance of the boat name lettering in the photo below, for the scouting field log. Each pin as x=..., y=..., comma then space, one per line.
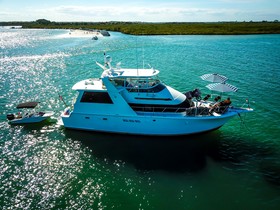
x=133, y=121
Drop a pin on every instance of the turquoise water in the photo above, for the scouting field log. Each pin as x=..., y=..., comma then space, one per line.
x=44, y=166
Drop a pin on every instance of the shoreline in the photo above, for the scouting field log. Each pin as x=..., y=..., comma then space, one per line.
x=175, y=28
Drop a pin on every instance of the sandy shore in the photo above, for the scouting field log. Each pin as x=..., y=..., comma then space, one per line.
x=84, y=33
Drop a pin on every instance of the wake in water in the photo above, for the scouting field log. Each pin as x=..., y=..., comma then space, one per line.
x=27, y=58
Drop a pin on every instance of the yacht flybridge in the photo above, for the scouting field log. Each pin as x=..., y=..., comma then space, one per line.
x=135, y=101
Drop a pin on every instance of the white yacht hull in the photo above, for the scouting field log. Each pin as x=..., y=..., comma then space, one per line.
x=135, y=101
x=145, y=125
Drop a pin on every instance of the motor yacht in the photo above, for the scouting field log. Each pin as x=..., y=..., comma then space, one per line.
x=137, y=102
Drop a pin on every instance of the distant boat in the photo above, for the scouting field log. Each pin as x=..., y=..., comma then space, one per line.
x=29, y=114
x=11, y=27
x=105, y=33
x=135, y=101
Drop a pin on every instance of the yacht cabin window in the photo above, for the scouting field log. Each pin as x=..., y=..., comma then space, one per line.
x=96, y=97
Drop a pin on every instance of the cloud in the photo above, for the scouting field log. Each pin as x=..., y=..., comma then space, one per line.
x=125, y=13
x=241, y=1
x=129, y=12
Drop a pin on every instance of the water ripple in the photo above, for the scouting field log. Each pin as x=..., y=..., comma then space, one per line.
x=44, y=166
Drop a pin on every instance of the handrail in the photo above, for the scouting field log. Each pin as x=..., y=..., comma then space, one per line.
x=191, y=111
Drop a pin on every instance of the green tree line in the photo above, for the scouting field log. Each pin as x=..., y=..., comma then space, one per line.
x=176, y=28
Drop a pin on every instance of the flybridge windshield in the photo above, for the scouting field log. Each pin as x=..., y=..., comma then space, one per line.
x=129, y=73
x=136, y=82
x=139, y=84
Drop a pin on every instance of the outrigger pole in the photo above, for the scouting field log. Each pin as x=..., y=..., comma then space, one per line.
x=61, y=98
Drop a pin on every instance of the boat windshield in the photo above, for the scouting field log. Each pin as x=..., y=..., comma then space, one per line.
x=139, y=83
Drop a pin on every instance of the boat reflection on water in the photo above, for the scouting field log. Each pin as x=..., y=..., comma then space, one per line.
x=173, y=154
x=181, y=154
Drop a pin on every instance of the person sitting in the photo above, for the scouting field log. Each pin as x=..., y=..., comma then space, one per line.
x=226, y=102
x=220, y=107
x=19, y=115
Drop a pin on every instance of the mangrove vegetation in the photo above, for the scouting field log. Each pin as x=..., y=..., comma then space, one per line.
x=175, y=28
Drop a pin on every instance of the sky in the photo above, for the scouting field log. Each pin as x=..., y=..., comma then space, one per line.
x=140, y=10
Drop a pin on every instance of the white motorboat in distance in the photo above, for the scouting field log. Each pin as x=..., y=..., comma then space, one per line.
x=135, y=101
x=29, y=114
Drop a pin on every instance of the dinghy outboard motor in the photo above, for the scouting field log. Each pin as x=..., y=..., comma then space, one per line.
x=10, y=116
